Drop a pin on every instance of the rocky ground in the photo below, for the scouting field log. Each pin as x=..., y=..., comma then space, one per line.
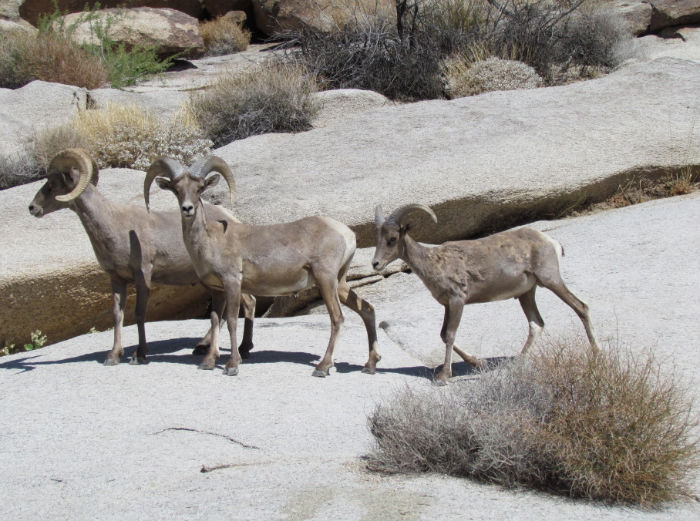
x=80, y=440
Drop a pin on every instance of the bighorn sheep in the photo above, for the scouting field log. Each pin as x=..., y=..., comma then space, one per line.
x=131, y=245
x=272, y=260
x=509, y=264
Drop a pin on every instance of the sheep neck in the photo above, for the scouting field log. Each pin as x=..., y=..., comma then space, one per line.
x=415, y=255
x=97, y=214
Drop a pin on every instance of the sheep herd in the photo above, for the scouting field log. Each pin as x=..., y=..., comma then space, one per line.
x=205, y=243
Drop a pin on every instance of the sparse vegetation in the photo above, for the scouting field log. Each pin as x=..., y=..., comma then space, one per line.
x=610, y=427
x=37, y=341
x=18, y=169
x=466, y=78
x=126, y=136
x=402, y=60
x=51, y=55
x=224, y=36
x=273, y=97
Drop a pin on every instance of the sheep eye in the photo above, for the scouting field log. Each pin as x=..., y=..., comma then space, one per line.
x=391, y=241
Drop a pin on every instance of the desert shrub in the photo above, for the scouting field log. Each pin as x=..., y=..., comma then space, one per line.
x=126, y=136
x=608, y=427
x=50, y=57
x=18, y=169
x=273, y=97
x=464, y=78
x=224, y=36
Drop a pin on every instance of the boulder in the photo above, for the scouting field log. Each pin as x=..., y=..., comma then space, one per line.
x=50, y=279
x=481, y=162
x=9, y=9
x=635, y=13
x=272, y=16
x=669, y=13
x=8, y=26
x=338, y=104
x=170, y=31
x=36, y=106
x=216, y=8
x=31, y=10
x=282, y=441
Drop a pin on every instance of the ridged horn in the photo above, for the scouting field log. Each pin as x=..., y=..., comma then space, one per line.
x=378, y=217
x=399, y=214
x=204, y=167
x=163, y=167
x=80, y=160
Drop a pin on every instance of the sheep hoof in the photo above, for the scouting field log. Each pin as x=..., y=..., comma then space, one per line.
x=244, y=350
x=200, y=349
x=230, y=371
x=207, y=366
x=369, y=370
x=319, y=373
x=440, y=382
x=136, y=360
x=111, y=361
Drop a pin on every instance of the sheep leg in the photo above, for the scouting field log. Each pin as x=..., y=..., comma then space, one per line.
x=468, y=358
x=212, y=354
x=328, y=285
x=218, y=304
x=534, y=319
x=557, y=286
x=453, y=315
x=118, y=304
x=233, y=299
x=142, y=294
x=248, y=304
x=366, y=311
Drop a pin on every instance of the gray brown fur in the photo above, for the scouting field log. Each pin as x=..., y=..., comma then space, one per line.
x=278, y=259
x=132, y=245
x=509, y=264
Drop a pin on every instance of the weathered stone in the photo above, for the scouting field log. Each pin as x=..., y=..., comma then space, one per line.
x=37, y=105
x=31, y=10
x=217, y=8
x=170, y=31
x=635, y=13
x=669, y=13
x=480, y=162
x=273, y=16
x=50, y=280
x=9, y=26
x=9, y=9
x=338, y=104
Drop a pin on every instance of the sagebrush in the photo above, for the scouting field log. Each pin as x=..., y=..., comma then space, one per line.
x=610, y=427
x=224, y=35
x=272, y=97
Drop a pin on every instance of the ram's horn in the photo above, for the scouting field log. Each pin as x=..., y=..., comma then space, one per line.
x=161, y=167
x=79, y=159
x=400, y=214
x=204, y=167
x=378, y=216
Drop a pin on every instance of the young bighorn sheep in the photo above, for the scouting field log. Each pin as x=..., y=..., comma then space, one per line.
x=509, y=264
x=272, y=260
x=131, y=245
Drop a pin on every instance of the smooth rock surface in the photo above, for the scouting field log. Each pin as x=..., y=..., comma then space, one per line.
x=479, y=162
x=36, y=106
x=83, y=441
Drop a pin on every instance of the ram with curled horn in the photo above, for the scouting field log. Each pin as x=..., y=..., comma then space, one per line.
x=132, y=245
x=509, y=264
x=271, y=260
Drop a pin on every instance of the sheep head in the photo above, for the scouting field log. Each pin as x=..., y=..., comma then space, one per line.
x=390, y=233
x=68, y=175
x=188, y=183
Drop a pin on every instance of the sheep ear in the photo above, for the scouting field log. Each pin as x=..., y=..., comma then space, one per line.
x=212, y=180
x=164, y=183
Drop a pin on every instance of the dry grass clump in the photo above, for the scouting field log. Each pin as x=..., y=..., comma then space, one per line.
x=52, y=57
x=224, y=36
x=466, y=78
x=125, y=136
x=273, y=97
x=610, y=427
x=18, y=169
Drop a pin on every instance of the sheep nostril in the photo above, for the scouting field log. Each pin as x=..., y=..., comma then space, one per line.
x=375, y=264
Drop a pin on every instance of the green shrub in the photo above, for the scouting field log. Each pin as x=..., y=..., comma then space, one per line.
x=609, y=427
x=273, y=97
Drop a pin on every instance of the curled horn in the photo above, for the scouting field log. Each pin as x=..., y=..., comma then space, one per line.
x=378, y=216
x=203, y=167
x=400, y=213
x=163, y=167
x=79, y=159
